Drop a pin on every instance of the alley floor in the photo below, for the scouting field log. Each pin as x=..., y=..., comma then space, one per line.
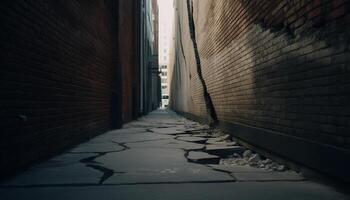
x=160, y=156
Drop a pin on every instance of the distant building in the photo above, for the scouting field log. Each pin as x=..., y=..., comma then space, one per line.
x=164, y=85
x=165, y=37
x=150, y=79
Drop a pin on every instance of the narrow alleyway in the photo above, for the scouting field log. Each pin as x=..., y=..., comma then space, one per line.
x=98, y=97
x=160, y=156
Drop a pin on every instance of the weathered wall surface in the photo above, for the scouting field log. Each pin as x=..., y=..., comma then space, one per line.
x=279, y=66
x=186, y=93
x=58, y=76
x=127, y=56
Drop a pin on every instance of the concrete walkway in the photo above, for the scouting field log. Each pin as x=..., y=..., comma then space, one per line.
x=161, y=156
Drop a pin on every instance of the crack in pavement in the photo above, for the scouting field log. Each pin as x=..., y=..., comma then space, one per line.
x=106, y=179
x=96, y=152
x=122, y=144
x=106, y=172
x=199, y=130
x=117, y=184
x=91, y=159
x=223, y=171
x=149, y=130
x=150, y=140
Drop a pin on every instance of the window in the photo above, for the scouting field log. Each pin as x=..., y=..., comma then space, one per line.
x=165, y=96
x=164, y=73
x=164, y=87
x=164, y=67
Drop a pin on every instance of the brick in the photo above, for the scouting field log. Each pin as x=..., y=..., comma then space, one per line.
x=289, y=74
x=57, y=77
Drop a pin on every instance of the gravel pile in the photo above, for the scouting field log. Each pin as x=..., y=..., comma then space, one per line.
x=248, y=158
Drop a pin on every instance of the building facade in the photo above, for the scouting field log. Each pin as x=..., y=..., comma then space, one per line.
x=71, y=70
x=165, y=40
x=150, y=79
x=275, y=74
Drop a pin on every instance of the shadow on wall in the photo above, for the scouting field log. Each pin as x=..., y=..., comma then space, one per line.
x=301, y=74
x=293, y=58
x=56, y=77
x=281, y=67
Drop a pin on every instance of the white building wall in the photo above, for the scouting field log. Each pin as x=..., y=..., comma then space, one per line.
x=166, y=13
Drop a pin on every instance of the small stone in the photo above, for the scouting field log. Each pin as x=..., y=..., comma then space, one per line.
x=274, y=166
x=241, y=162
x=247, y=154
x=266, y=161
x=236, y=155
x=255, y=158
x=281, y=168
x=225, y=137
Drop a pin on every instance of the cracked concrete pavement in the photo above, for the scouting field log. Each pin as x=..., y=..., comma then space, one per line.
x=159, y=156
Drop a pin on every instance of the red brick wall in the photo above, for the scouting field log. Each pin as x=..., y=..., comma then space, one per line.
x=56, y=76
x=127, y=58
x=277, y=65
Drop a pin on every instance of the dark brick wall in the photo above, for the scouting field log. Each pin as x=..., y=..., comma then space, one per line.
x=128, y=58
x=58, y=64
x=278, y=65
